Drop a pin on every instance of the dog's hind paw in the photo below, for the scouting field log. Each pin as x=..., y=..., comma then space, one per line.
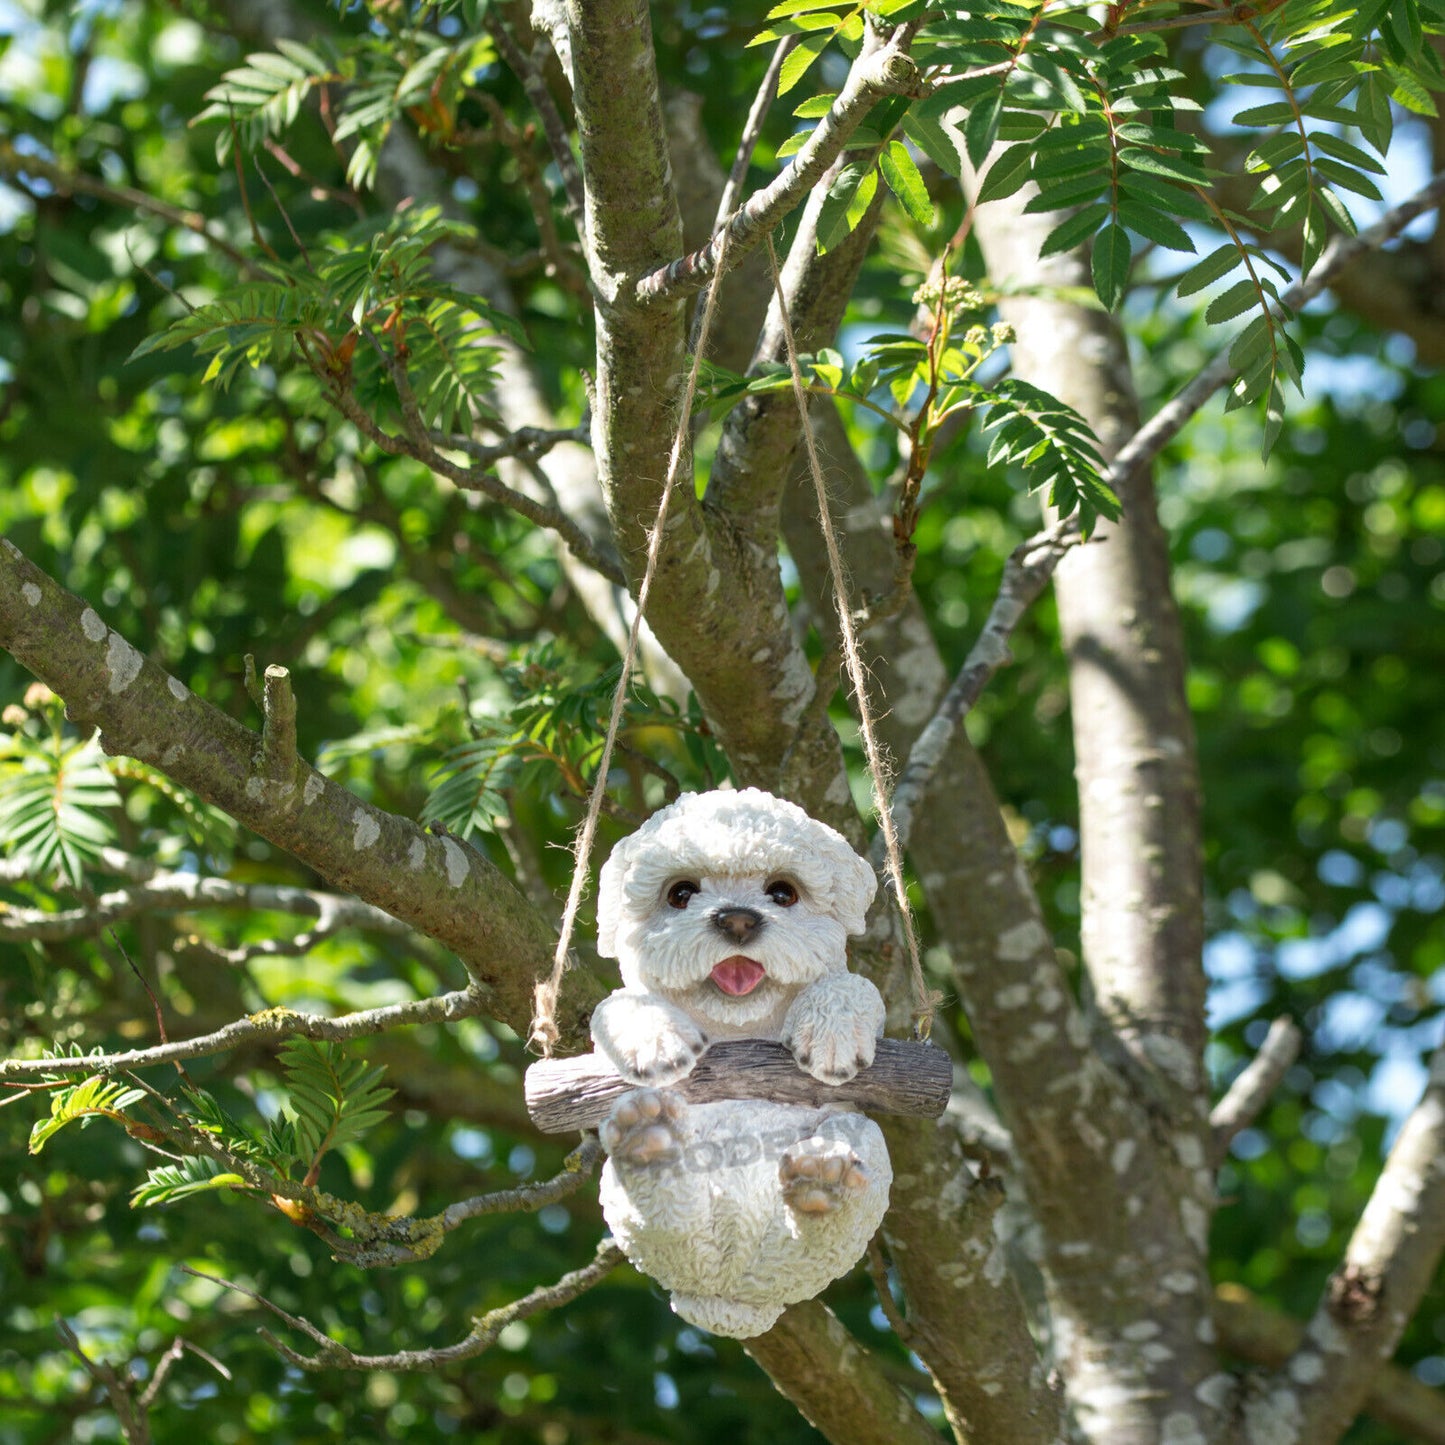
x=819, y=1175
x=641, y=1129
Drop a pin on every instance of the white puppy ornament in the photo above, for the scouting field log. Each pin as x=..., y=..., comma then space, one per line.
x=731, y=1064
x=729, y=913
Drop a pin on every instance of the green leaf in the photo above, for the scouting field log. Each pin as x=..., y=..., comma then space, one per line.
x=865, y=376
x=55, y=803
x=1111, y=256
x=801, y=57
x=171, y=1182
x=1008, y=173
x=1347, y=178
x=800, y=7
x=934, y=140
x=1156, y=163
x=817, y=107
x=1373, y=114
x=1338, y=212
x=92, y=1097
x=980, y=130
x=1314, y=234
x=1062, y=196
x=836, y=216
x=1075, y=231
x=1218, y=263
x=904, y=180
x=331, y=1100
x=1278, y=113
x=1342, y=150
x=1053, y=445
x=1154, y=225
x=1232, y=301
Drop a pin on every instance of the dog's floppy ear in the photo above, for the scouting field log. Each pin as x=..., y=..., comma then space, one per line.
x=853, y=883
x=610, y=884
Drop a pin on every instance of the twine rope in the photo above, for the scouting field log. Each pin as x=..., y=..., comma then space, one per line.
x=544, y=1031
x=923, y=998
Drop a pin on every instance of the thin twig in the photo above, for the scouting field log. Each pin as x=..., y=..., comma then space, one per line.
x=133, y=1422
x=528, y=443
x=878, y=1273
x=553, y=127
x=385, y=1241
x=874, y=74
x=273, y=1024
x=184, y=892
x=1025, y=575
x=278, y=729
x=472, y=479
x=483, y=1334
x=13, y=166
x=560, y=265
x=1255, y=1084
x=752, y=130
x=1215, y=15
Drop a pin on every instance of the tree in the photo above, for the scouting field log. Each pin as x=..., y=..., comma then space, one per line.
x=374, y=373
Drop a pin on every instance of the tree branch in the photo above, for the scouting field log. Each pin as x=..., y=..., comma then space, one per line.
x=962, y=1301
x=966, y=1319
x=553, y=127
x=14, y=165
x=1254, y=1085
x=177, y=892
x=1138, y=783
x=388, y=1241
x=438, y=886
x=1148, y=1192
x=1168, y=421
x=134, y=1424
x=904, y=1078
x=839, y=1387
x=483, y=1334
x=1370, y=1298
x=1253, y=1331
x=767, y=93
x=874, y=74
x=416, y=442
x=1025, y=575
x=273, y=1024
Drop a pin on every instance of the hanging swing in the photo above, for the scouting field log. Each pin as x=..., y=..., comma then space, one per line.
x=733, y=1067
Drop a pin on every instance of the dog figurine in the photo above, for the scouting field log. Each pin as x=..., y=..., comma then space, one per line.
x=729, y=913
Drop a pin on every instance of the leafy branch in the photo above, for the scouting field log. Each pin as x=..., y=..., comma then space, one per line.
x=552, y=733
x=59, y=799
x=935, y=380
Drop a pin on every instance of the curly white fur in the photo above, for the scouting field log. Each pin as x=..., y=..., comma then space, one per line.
x=729, y=913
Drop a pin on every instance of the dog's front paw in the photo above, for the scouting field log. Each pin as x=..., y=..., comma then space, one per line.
x=667, y=1056
x=830, y=1051
x=833, y=1026
x=646, y=1040
x=642, y=1127
x=819, y=1175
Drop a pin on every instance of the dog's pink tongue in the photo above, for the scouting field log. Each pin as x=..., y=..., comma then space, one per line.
x=738, y=975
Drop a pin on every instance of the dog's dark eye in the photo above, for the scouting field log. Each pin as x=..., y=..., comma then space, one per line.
x=782, y=893
x=679, y=894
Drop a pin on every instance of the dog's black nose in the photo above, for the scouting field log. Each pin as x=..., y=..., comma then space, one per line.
x=738, y=923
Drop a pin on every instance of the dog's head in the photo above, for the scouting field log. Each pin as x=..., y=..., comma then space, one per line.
x=728, y=903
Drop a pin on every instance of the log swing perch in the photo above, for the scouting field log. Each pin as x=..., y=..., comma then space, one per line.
x=907, y=1077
